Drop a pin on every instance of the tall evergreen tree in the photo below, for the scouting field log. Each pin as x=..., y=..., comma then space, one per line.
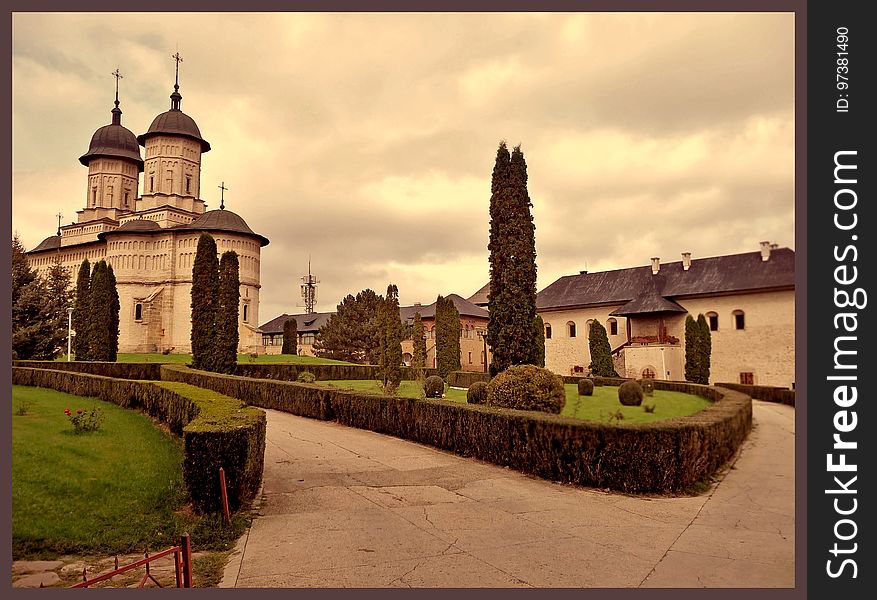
x=601, y=351
x=100, y=318
x=705, y=347
x=205, y=292
x=418, y=358
x=512, y=246
x=539, y=345
x=113, y=332
x=228, y=306
x=80, y=312
x=58, y=298
x=692, y=350
x=390, y=341
x=290, y=337
x=352, y=333
x=33, y=333
x=447, y=336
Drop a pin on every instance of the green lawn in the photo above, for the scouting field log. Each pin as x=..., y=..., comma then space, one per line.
x=599, y=407
x=115, y=490
x=242, y=358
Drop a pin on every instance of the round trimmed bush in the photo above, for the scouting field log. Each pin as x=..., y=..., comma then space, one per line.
x=434, y=386
x=477, y=393
x=630, y=393
x=586, y=387
x=648, y=385
x=306, y=377
x=527, y=387
x=598, y=381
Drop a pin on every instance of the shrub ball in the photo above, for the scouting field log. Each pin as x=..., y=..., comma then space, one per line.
x=630, y=393
x=434, y=386
x=527, y=387
x=648, y=385
x=306, y=377
x=477, y=393
x=586, y=387
x=598, y=382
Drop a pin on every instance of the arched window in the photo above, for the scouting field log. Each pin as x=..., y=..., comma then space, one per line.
x=138, y=312
x=548, y=331
x=713, y=319
x=571, y=329
x=588, y=326
x=612, y=326
x=739, y=319
x=648, y=373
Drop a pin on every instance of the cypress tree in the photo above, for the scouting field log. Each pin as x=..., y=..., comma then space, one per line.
x=447, y=336
x=114, y=307
x=512, y=246
x=390, y=341
x=539, y=344
x=99, y=314
x=601, y=351
x=228, y=305
x=692, y=350
x=705, y=346
x=205, y=290
x=418, y=359
x=290, y=337
x=80, y=312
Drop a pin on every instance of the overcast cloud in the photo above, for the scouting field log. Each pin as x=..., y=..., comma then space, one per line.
x=367, y=140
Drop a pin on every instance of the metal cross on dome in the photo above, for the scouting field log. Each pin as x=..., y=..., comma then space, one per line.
x=222, y=195
x=176, y=56
x=118, y=76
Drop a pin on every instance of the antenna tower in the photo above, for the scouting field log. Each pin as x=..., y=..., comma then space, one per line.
x=309, y=289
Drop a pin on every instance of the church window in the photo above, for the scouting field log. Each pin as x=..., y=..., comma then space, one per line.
x=126, y=198
x=571, y=329
x=747, y=378
x=739, y=319
x=151, y=183
x=188, y=183
x=138, y=312
x=110, y=194
x=548, y=331
x=94, y=196
x=470, y=358
x=713, y=318
x=246, y=312
x=169, y=179
x=612, y=326
x=648, y=373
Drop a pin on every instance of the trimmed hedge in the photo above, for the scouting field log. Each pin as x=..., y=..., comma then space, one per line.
x=666, y=456
x=216, y=430
x=764, y=392
x=465, y=379
x=527, y=387
x=151, y=371
x=290, y=372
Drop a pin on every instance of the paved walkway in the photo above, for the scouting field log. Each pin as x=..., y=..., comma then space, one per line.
x=345, y=507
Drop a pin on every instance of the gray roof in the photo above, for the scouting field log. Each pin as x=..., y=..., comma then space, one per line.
x=174, y=122
x=139, y=225
x=305, y=322
x=53, y=242
x=706, y=276
x=221, y=220
x=114, y=141
x=464, y=307
x=479, y=298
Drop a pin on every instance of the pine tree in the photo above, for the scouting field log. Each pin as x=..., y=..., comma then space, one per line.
x=601, y=351
x=447, y=336
x=418, y=359
x=692, y=350
x=58, y=298
x=80, y=312
x=228, y=305
x=33, y=332
x=353, y=332
x=113, y=332
x=290, y=337
x=205, y=292
x=512, y=246
x=99, y=313
x=390, y=341
x=539, y=345
x=704, y=342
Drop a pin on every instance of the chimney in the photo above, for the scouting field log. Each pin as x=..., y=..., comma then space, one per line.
x=774, y=246
x=686, y=261
x=656, y=265
x=765, y=251
x=583, y=272
x=417, y=304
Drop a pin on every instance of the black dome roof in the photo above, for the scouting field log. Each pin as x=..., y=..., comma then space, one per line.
x=139, y=225
x=222, y=220
x=114, y=141
x=174, y=122
x=53, y=242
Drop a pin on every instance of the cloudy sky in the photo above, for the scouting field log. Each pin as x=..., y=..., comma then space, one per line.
x=367, y=141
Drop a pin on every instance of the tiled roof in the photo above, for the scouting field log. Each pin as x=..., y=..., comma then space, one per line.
x=305, y=323
x=464, y=307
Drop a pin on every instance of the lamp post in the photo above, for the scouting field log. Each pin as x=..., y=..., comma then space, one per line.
x=69, y=330
x=663, y=364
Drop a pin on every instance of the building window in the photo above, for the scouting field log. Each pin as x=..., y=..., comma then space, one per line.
x=94, y=196
x=482, y=357
x=547, y=331
x=470, y=358
x=714, y=321
x=246, y=312
x=747, y=378
x=138, y=312
x=126, y=198
x=612, y=326
x=188, y=183
x=571, y=329
x=739, y=319
x=151, y=183
x=648, y=373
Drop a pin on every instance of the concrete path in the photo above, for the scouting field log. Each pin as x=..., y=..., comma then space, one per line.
x=344, y=507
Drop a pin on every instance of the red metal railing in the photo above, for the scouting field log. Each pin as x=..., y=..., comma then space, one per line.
x=182, y=567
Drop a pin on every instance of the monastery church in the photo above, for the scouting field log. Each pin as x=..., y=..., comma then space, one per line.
x=149, y=234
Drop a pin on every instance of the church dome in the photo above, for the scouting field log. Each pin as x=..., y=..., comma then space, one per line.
x=114, y=141
x=222, y=220
x=174, y=122
x=139, y=225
